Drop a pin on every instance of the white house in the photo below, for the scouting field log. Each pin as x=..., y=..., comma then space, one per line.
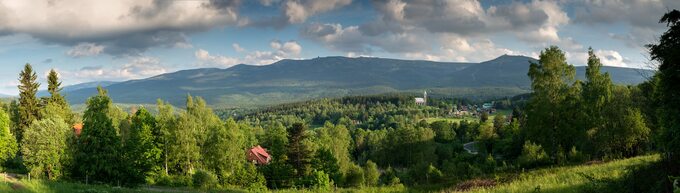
x=422, y=101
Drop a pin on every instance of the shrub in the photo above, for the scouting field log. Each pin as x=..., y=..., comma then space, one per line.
x=204, y=179
x=576, y=156
x=390, y=177
x=371, y=173
x=173, y=180
x=247, y=177
x=532, y=155
x=355, y=176
x=433, y=174
x=321, y=180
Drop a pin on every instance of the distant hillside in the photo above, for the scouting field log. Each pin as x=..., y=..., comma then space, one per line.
x=297, y=80
x=74, y=87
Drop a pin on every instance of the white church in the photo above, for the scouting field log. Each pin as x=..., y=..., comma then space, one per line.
x=422, y=101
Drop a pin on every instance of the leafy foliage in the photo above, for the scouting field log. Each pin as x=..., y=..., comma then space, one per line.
x=667, y=54
x=44, y=146
x=141, y=148
x=8, y=144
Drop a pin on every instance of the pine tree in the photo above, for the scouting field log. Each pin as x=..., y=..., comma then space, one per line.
x=299, y=154
x=28, y=103
x=54, y=88
x=98, y=157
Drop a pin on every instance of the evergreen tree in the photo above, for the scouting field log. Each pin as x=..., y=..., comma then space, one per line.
x=98, y=156
x=29, y=110
x=142, y=152
x=54, y=88
x=298, y=153
x=667, y=54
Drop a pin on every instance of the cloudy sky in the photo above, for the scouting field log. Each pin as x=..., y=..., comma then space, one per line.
x=118, y=40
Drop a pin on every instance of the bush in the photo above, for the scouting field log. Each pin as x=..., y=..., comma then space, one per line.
x=355, y=176
x=433, y=174
x=532, y=155
x=321, y=181
x=173, y=181
x=204, y=179
x=371, y=174
x=246, y=177
x=390, y=177
x=576, y=156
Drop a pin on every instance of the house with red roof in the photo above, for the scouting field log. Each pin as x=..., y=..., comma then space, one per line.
x=259, y=156
x=77, y=128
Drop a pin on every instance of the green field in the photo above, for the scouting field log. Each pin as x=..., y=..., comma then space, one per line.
x=566, y=179
x=504, y=112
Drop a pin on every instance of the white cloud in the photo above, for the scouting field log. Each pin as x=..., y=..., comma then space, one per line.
x=85, y=49
x=456, y=30
x=640, y=18
x=222, y=61
x=611, y=58
x=351, y=39
x=136, y=68
x=462, y=50
x=297, y=11
x=124, y=27
x=280, y=50
x=238, y=48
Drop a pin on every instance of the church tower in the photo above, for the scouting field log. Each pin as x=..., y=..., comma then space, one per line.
x=425, y=96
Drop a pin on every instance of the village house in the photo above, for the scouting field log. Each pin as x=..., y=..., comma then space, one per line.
x=258, y=155
x=77, y=129
x=422, y=101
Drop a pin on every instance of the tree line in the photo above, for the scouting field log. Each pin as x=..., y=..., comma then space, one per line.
x=354, y=141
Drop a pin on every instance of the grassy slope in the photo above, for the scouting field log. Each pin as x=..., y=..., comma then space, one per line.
x=568, y=179
x=565, y=179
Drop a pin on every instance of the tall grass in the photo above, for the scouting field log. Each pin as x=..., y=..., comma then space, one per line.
x=568, y=179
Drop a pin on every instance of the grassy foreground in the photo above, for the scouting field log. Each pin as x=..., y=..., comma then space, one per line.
x=568, y=179
x=565, y=179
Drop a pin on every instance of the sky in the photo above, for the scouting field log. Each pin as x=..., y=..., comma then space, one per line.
x=119, y=40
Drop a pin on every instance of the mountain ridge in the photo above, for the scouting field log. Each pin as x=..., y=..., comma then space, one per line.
x=295, y=80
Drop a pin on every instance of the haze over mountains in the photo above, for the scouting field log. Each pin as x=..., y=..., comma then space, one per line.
x=297, y=80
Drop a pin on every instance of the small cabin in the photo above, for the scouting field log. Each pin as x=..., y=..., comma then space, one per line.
x=258, y=155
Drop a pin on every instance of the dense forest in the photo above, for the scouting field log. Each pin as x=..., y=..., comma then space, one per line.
x=364, y=141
